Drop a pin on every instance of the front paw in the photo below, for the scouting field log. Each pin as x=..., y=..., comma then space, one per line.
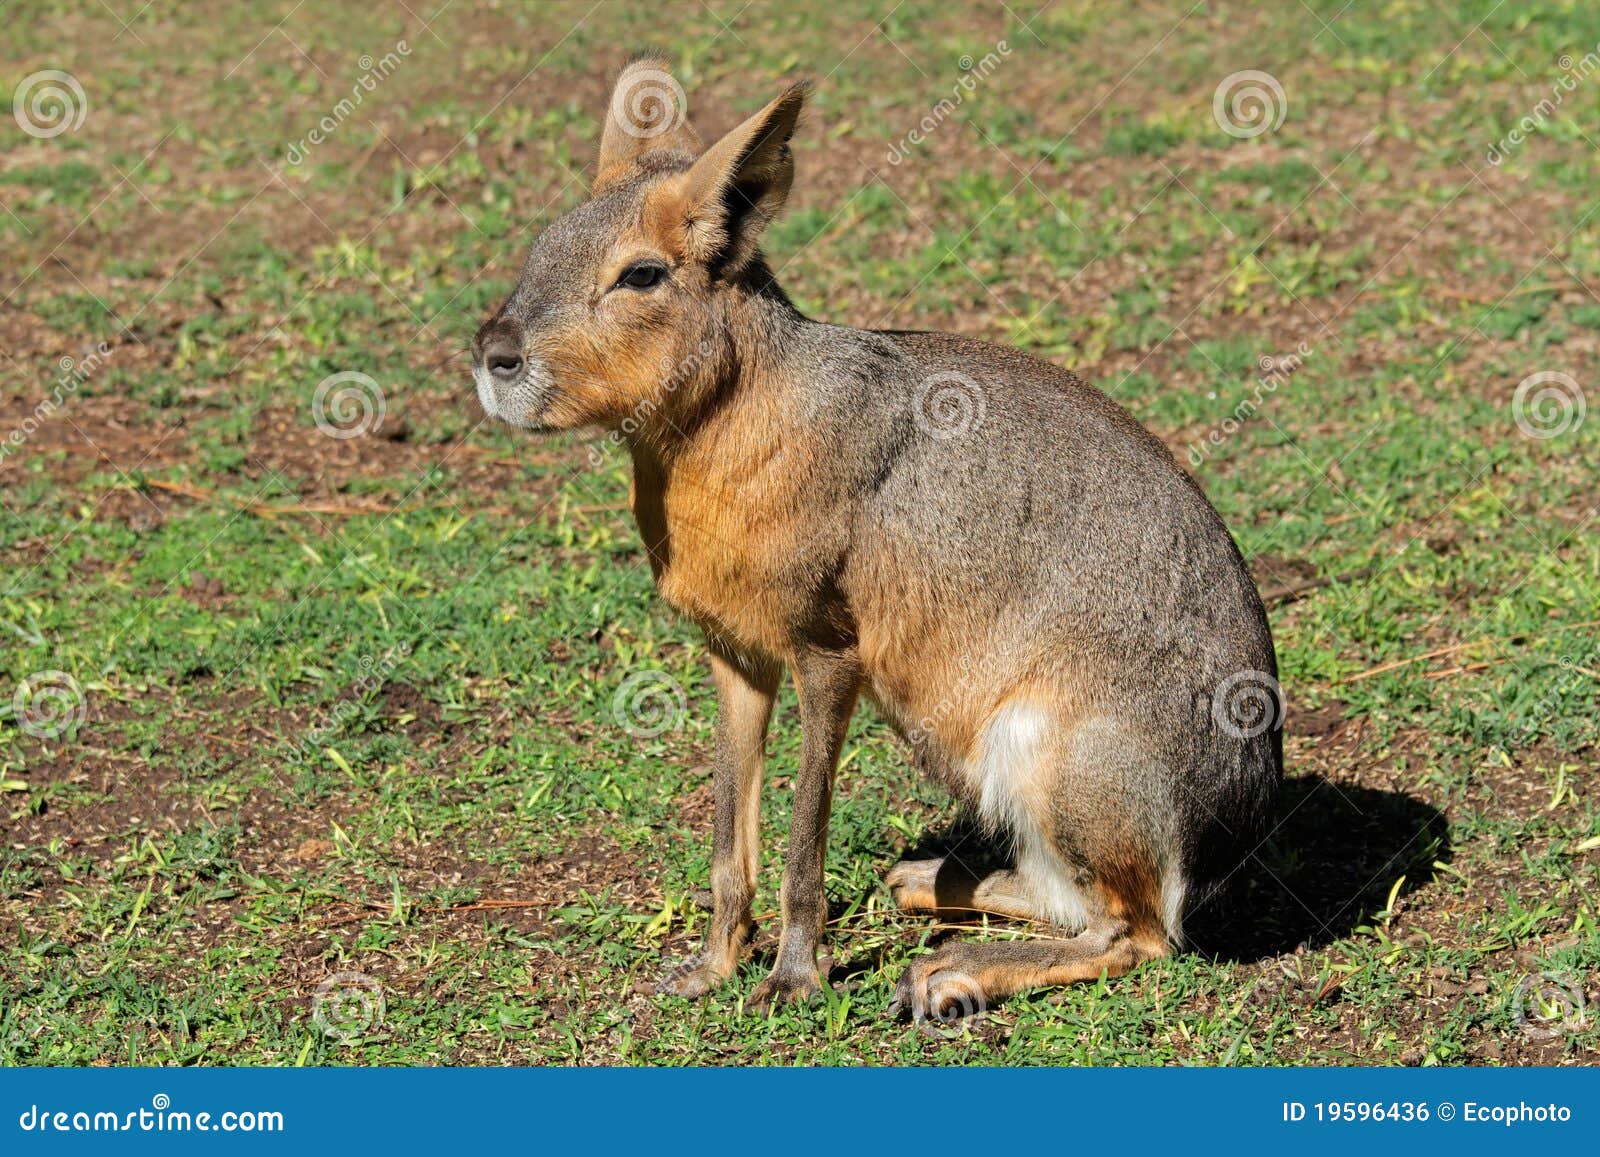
x=783, y=988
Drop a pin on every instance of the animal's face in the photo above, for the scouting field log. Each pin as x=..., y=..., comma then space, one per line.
x=593, y=321
x=618, y=305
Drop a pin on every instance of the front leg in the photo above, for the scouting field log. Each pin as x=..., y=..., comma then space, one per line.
x=745, y=690
x=828, y=682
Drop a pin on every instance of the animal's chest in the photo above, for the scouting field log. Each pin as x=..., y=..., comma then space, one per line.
x=736, y=568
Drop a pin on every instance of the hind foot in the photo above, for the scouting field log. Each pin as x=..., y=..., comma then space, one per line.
x=692, y=977
x=911, y=883
x=950, y=888
x=962, y=980
x=939, y=990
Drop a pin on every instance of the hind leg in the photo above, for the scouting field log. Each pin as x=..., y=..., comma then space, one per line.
x=963, y=979
x=1117, y=930
x=949, y=888
x=1091, y=859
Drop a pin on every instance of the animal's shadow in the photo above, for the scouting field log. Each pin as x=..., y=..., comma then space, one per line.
x=1328, y=866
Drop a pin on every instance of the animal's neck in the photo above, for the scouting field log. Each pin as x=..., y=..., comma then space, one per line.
x=758, y=353
x=715, y=449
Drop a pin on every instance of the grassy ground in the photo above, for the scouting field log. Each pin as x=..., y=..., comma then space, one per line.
x=287, y=713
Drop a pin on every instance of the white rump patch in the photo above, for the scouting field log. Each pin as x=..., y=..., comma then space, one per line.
x=1174, y=892
x=1006, y=770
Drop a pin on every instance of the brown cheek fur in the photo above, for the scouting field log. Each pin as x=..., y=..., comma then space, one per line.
x=602, y=381
x=615, y=368
x=612, y=369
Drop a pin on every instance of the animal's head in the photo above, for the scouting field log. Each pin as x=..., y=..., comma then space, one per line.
x=626, y=299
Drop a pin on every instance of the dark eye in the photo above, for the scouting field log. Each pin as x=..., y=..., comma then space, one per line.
x=642, y=276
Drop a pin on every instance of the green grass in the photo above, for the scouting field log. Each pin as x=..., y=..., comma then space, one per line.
x=339, y=694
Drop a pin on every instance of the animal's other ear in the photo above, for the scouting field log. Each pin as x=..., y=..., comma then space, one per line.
x=730, y=194
x=648, y=111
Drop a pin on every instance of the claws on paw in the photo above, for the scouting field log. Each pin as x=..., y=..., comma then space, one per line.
x=912, y=884
x=693, y=982
x=782, y=988
x=937, y=998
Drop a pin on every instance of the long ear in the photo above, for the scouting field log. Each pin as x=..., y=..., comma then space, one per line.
x=648, y=111
x=740, y=184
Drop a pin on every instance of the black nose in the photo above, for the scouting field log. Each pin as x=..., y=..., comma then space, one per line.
x=498, y=348
x=504, y=365
x=504, y=361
